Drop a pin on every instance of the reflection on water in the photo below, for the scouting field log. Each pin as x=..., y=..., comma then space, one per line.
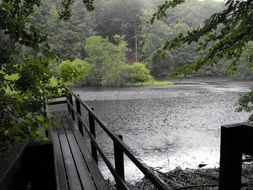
x=168, y=126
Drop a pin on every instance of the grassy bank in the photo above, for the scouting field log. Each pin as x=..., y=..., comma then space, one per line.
x=130, y=84
x=151, y=83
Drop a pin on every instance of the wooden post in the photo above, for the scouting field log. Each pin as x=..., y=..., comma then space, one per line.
x=39, y=163
x=71, y=102
x=45, y=114
x=93, y=132
x=230, y=158
x=44, y=109
x=67, y=98
x=119, y=162
x=78, y=109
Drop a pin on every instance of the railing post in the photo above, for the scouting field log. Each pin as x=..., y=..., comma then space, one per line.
x=71, y=102
x=230, y=158
x=67, y=98
x=45, y=114
x=78, y=109
x=93, y=132
x=119, y=162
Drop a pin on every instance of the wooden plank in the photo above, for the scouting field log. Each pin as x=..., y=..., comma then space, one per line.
x=92, y=166
x=61, y=176
x=57, y=102
x=71, y=170
x=82, y=169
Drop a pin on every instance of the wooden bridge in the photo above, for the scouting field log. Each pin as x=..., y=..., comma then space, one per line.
x=76, y=167
x=68, y=162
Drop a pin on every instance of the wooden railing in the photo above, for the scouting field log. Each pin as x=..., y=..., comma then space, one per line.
x=120, y=148
x=236, y=139
x=28, y=163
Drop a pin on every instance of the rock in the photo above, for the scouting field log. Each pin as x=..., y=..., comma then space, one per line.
x=202, y=165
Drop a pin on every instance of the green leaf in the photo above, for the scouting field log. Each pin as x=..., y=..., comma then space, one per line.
x=39, y=118
x=39, y=132
x=44, y=139
x=6, y=6
x=6, y=132
x=12, y=77
x=45, y=126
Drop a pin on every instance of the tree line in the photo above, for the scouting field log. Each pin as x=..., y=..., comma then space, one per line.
x=129, y=19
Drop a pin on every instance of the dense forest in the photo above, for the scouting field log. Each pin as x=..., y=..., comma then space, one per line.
x=118, y=34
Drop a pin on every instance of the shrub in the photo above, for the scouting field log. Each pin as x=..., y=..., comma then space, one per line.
x=72, y=72
x=139, y=73
x=115, y=75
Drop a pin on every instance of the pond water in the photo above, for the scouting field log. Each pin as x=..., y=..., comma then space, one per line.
x=168, y=126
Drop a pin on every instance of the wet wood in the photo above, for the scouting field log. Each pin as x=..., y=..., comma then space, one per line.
x=91, y=164
x=81, y=167
x=236, y=139
x=72, y=175
x=61, y=177
x=75, y=168
x=12, y=173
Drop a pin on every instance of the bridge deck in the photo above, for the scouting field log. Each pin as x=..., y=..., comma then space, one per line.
x=75, y=168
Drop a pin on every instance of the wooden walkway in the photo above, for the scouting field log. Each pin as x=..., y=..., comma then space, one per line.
x=75, y=167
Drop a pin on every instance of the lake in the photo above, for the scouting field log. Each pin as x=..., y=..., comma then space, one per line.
x=168, y=126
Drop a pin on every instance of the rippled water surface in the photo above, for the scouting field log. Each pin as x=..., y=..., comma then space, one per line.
x=168, y=126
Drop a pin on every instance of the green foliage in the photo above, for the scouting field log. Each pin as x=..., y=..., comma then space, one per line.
x=72, y=72
x=24, y=88
x=153, y=37
x=245, y=103
x=115, y=75
x=227, y=31
x=161, y=12
x=67, y=5
x=112, y=19
x=107, y=19
x=108, y=60
x=139, y=73
x=66, y=38
x=225, y=36
x=24, y=80
x=14, y=22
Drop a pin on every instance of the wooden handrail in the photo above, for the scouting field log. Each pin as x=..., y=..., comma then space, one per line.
x=154, y=179
x=104, y=157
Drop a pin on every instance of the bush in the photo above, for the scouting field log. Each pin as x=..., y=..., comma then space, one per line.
x=139, y=73
x=115, y=75
x=72, y=72
x=245, y=103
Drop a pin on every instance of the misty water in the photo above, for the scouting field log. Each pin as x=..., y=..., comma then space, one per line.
x=168, y=126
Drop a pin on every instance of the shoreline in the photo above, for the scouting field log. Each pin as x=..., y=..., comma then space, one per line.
x=195, y=179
